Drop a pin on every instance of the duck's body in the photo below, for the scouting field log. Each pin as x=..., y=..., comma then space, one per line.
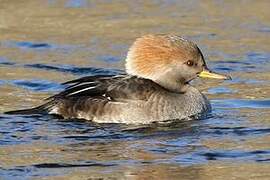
x=126, y=99
x=155, y=89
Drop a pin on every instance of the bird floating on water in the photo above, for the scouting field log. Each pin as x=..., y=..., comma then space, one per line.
x=155, y=88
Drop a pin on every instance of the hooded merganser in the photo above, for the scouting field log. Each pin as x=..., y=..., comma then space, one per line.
x=155, y=87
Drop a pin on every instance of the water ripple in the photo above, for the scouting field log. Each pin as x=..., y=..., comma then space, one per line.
x=5, y=61
x=75, y=70
x=238, y=131
x=37, y=85
x=250, y=63
x=65, y=165
x=245, y=155
x=241, y=103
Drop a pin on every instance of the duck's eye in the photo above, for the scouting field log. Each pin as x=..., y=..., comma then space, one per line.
x=190, y=63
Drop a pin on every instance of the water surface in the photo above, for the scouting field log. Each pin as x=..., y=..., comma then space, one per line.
x=44, y=43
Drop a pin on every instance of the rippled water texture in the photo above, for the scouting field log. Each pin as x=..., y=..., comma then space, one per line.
x=46, y=42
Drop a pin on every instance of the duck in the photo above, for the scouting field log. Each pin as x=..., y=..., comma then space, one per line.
x=154, y=88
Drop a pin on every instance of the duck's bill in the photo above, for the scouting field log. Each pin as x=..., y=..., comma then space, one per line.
x=209, y=74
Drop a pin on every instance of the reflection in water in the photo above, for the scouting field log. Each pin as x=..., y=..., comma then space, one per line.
x=44, y=43
x=45, y=145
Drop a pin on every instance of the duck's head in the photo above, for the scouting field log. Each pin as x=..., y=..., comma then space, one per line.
x=169, y=60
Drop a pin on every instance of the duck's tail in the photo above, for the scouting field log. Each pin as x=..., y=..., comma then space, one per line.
x=43, y=109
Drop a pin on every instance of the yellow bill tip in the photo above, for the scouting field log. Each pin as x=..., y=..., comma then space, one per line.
x=213, y=75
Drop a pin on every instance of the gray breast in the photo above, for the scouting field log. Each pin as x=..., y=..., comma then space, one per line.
x=179, y=106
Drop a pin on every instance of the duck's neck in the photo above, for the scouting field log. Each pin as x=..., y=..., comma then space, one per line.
x=174, y=86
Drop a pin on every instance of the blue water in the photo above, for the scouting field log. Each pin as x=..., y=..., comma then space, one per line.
x=232, y=142
x=183, y=143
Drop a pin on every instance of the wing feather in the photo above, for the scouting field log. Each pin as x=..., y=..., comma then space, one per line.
x=111, y=87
